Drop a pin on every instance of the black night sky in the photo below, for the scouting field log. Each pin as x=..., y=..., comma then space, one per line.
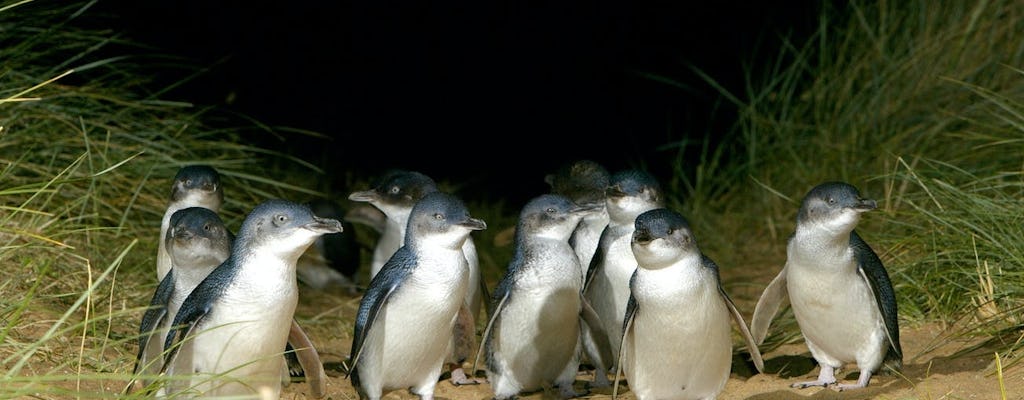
x=472, y=91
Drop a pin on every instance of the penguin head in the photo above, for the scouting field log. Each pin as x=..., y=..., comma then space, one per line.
x=283, y=228
x=396, y=190
x=552, y=216
x=632, y=192
x=440, y=218
x=583, y=182
x=662, y=237
x=197, y=236
x=198, y=185
x=834, y=206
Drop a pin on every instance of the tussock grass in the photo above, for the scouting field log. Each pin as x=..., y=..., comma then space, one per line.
x=920, y=107
x=86, y=161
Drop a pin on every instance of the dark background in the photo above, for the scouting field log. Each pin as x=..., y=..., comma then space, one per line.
x=488, y=95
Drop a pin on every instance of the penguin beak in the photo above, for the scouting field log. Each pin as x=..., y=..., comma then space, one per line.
x=865, y=205
x=474, y=224
x=181, y=234
x=324, y=225
x=365, y=195
x=614, y=191
x=642, y=236
x=586, y=208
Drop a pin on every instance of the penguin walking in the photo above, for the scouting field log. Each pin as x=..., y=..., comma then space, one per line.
x=395, y=194
x=676, y=341
x=197, y=242
x=403, y=329
x=532, y=340
x=230, y=331
x=629, y=194
x=193, y=186
x=840, y=293
x=584, y=182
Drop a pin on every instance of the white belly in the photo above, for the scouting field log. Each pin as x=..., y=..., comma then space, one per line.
x=538, y=335
x=681, y=344
x=837, y=315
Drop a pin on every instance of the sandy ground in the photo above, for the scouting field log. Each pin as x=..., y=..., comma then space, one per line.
x=929, y=373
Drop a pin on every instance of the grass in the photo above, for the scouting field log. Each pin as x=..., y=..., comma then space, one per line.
x=86, y=160
x=917, y=106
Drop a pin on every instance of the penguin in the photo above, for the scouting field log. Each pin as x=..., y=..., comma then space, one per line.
x=333, y=260
x=532, y=339
x=676, y=341
x=584, y=182
x=838, y=289
x=229, y=333
x=193, y=186
x=197, y=242
x=395, y=194
x=630, y=193
x=404, y=324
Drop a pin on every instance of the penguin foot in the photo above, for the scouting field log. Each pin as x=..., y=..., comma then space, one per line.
x=826, y=377
x=459, y=378
x=804, y=385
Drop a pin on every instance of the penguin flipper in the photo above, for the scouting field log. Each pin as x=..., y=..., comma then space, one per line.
x=598, y=259
x=153, y=318
x=755, y=352
x=627, y=326
x=492, y=318
x=592, y=322
x=767, y=306
x=382, y=286
x=870, y=268
x=309, y=358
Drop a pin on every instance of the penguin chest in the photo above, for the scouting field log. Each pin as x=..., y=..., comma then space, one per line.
x=538, y=331
x=243, y=336
x=609, y=291
x=680, y=343
x=836, y=311
x=413, y=332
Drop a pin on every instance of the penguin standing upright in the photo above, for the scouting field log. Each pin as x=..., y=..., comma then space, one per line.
x=630, y=193
x=403, y=328
x=532, y=340
x=676, y=341
x=395, y=194
x=839, y=291
x=197, y=242
x=233, y=327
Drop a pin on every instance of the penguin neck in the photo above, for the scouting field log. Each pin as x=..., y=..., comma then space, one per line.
x=817, y=245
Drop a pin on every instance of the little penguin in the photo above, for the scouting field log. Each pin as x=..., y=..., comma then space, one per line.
x=231, y=330
x=532, y=340
x=404, y=324
x=333, y=260
x=838, y=289
x=197, y=242
x=630, y=193
x=584, y=182
x=676, y=341
x=395, y=194
x=194, y=186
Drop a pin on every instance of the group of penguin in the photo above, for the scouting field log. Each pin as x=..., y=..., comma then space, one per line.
x=602, y=274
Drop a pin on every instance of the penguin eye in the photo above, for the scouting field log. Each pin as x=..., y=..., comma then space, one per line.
x=280, y=219
x=550, y=210
x=439, y=216
x=206, y=227
x=395, y=189
x=831, y=200
x=669, y=232
x=188, y=182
